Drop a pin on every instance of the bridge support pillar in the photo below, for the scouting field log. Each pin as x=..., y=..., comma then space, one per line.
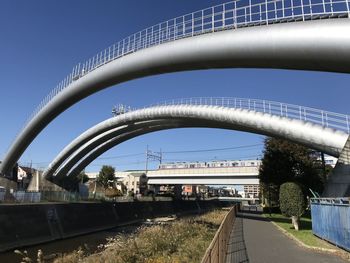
x=39, y=183
x=338, y=183
x=178, y=191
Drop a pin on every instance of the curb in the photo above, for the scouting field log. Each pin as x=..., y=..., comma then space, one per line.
x=318, y=249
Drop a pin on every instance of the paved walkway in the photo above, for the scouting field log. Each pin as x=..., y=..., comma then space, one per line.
x=254, y=239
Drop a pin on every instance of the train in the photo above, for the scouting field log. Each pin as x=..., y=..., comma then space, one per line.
x=210, y=164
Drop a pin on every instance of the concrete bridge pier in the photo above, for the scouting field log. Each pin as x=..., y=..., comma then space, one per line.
x=338, y=183
x=178, y=191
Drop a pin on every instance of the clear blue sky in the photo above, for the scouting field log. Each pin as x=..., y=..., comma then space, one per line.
x=42, y=40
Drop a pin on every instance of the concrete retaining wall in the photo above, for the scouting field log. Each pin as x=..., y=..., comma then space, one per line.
x=23, y=225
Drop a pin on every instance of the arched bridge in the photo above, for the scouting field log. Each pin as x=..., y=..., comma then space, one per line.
x=288, y=34
x=317, y=129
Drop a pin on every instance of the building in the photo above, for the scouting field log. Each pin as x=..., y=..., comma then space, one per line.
x=241, y=193
x=229, y=191
x=92, y=175
x=24, y=175
x=251, y=191
x=135, y=182
x=188, y=190
x=330, y=160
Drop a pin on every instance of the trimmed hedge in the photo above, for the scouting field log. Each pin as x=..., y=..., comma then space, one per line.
x=292, y=200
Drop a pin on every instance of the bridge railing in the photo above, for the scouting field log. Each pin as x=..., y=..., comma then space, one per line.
x=230, y=15
x=320, y=117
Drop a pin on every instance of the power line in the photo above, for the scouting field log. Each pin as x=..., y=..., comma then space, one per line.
x=215, y=149
x=119, y=156
x=120, y=164
x=168, y=152
x=185, y=151
x=212, y=159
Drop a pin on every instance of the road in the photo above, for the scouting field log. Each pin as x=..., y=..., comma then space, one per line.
x=255, y=239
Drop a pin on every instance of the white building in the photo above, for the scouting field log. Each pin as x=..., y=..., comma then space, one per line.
x=24, y=175
x=251, y=191
x=135, y=182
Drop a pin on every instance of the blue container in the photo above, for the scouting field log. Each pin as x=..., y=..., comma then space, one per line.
x=331, y=220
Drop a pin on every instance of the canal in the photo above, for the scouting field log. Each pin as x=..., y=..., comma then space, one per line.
x=51, y=250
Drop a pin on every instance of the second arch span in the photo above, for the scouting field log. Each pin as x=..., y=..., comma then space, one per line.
x=131, y=124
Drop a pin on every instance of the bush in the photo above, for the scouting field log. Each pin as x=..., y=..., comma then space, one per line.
x=113, y=192
x=292, y=202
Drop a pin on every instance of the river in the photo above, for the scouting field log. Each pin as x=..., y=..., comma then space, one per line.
x=68, y=245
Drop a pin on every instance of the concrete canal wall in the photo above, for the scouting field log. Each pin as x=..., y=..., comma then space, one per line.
x=30, y=224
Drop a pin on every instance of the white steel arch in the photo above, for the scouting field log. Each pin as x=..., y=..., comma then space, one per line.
x=206, y=39
x=313, y=135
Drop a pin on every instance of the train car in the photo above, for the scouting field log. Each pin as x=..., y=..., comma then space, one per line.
x=210, y=164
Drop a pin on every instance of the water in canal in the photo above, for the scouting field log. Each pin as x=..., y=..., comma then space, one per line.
x=68, y=245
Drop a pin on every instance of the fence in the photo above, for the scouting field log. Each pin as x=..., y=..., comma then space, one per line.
x=324, y=118
x=320, y=117
x=331, y=220
x=42, y=196
x=2, y=196
x=27, y=197
x=216, y=252
x=65, y=196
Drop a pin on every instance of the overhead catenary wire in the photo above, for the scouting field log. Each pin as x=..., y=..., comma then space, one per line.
x=250, y=146
x=214, y=149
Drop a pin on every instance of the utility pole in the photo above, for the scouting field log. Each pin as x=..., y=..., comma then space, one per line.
x=323, y=165
x=152, y=156
x=146, y=170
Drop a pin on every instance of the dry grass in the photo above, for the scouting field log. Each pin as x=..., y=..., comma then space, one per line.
x=185, y=240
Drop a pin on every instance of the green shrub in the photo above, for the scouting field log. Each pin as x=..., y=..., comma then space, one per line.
x=292, y=201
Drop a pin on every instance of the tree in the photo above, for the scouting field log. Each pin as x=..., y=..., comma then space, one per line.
x=82, y=177
x=292, y=202
x=70, y=182
x=285, y=161
x=106, y=175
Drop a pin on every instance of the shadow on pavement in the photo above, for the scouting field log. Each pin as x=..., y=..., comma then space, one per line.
x=236, y=250
x=254, y=213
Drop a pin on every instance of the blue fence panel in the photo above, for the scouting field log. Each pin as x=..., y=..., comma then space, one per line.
x=331, y=221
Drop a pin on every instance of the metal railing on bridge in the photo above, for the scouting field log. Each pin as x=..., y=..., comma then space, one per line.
x=328, y=119
x=230, y=15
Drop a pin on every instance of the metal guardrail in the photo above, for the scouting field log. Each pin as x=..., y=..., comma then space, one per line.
x=230, y=15
x=216, y=252
x=328, y=119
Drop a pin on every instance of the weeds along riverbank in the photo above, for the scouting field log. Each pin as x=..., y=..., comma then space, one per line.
x=182, y=240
